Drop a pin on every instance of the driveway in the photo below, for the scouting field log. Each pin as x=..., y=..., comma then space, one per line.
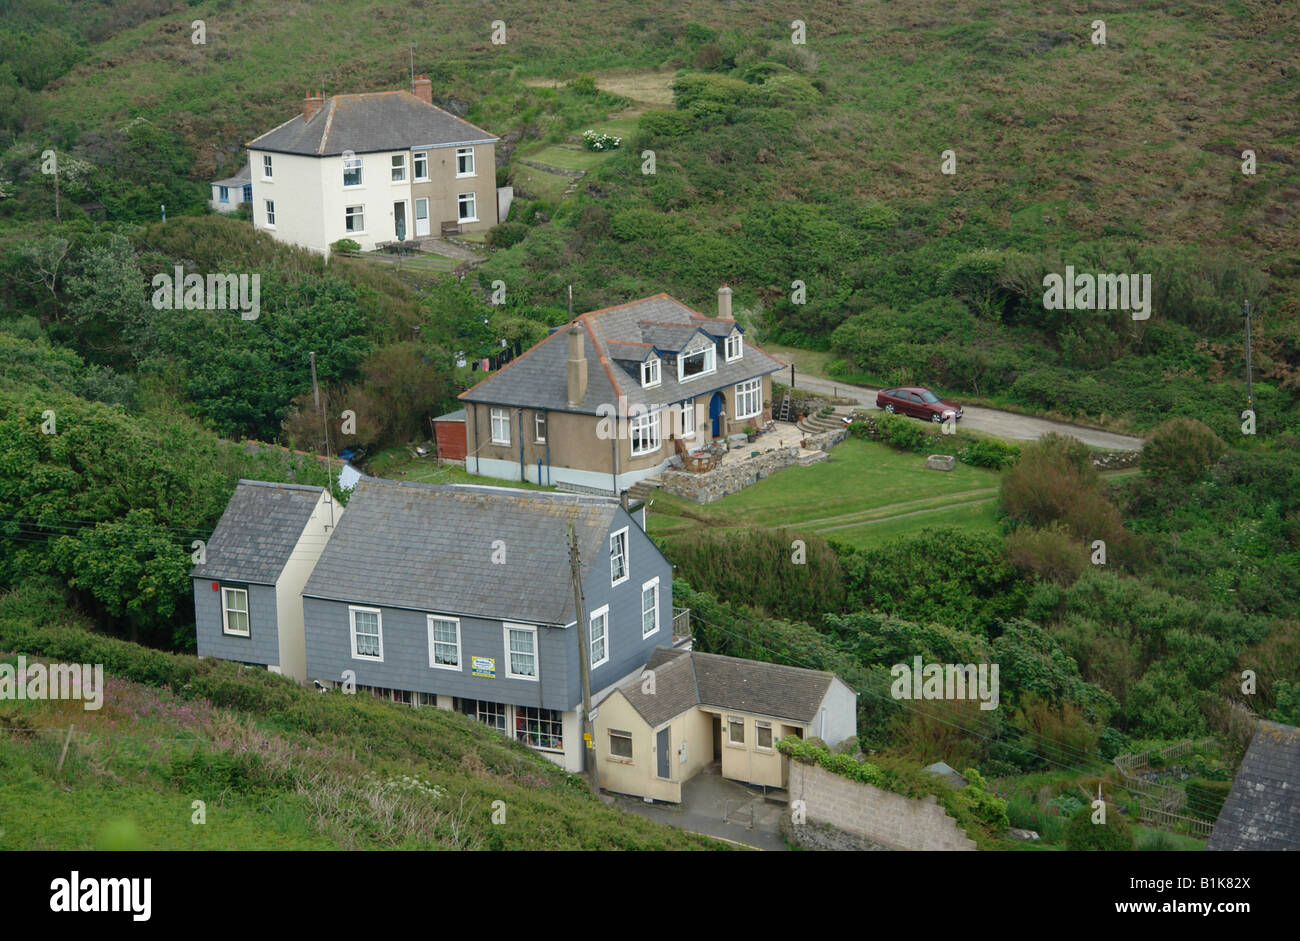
x=706, y=798
x=989, y=420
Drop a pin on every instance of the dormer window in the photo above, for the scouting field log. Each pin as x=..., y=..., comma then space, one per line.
x=735, y=346
x=650, y=372
x=696, y=363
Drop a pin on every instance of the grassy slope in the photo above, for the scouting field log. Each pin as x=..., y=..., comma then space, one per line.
x=1056, y=137
x=315, y=772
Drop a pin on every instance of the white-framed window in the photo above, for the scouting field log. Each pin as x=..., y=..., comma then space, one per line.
x=539, y=428
x=420, y=159
x=618, y=557
x=270, y=211
x=540, y=728
x=266, y=167
x=467, y=207
x=688, y=420
x=234, y=611
x=399, y=168
x=598, y=635
x=367, y=633
x=352, y=171
x=644, y=434
x=464, y=161
x=696, y=363
x=444, y=643
x=749, y=398
x=500, y=426
x=736, y=730
x=650, y=607
x=620, y=745
x=223, y=194
x=735, y=346
x=354, y=218
x=521, y=652
x=762, y=734
x=650, y=372
x=489, y=713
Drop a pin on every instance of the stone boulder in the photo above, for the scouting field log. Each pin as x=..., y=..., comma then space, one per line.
x=942, y=462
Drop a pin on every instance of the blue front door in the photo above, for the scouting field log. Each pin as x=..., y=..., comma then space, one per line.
x=715, y=414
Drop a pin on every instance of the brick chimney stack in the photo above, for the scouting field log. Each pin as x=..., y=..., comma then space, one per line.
x=577, y=365
x=422, y=88
x=724, y=302
x=311, y=104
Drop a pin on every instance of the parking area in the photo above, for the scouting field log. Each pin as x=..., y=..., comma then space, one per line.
x=725, y=809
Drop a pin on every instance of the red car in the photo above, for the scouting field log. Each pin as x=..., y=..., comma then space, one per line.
x=917, y=402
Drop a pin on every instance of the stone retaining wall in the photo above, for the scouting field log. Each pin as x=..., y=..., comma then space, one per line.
x=877, y=819
x=722, y=481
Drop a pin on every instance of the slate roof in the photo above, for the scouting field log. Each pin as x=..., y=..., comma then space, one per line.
x=539, y=377
x=687, y=678
x=257, y=533
x=428, y=547
x=370, y=123
x=239, y=179
x=1262, y=811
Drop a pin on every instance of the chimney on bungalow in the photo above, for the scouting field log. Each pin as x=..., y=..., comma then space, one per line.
x=724, y=302
x=577, y=365
x=422, y=88
x=311, y=104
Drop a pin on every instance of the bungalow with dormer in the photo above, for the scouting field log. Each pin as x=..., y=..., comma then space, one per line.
x=374, y=168
x=610, y=398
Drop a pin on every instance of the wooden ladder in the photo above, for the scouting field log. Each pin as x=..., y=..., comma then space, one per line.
x=783, y=410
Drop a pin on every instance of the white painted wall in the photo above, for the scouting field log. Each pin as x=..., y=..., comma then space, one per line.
x=288, y=589
x=838, y=717
x=296, y=188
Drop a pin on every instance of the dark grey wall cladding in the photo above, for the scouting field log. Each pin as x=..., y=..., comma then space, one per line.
x=406, y=641
x=263, y=643
x=406, y=657
x=627, y=649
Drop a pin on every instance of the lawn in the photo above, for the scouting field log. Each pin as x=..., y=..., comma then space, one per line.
x=567, y=157
x=862, y=493
x=530, y=182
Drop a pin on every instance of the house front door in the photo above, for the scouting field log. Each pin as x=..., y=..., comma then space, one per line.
x=422, y=216
x=399, y=220
x=662, y=742
x=715, y=413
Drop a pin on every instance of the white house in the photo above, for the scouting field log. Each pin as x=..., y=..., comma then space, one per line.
x=375, y=168
x=227, y=194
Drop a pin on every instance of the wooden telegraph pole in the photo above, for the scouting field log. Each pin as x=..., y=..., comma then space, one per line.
x=584, y=661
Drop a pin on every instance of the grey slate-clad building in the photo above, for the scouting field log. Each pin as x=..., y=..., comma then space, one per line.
x=607, y=400
x=1262, y=811
x=460, y=596
x=247, y=605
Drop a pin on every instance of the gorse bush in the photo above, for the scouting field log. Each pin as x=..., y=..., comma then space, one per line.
x=1180, y=450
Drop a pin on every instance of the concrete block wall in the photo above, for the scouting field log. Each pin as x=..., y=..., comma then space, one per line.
x=872, y=815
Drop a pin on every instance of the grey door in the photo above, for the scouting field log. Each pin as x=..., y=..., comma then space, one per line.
x=661, y=751
x=399, y=220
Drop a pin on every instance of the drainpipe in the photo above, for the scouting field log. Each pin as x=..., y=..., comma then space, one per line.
x=523, y=468
x=548, y=449
x=613, y=450
x=473, y=412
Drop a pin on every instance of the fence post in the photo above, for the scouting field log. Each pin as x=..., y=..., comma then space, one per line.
x=64, y=754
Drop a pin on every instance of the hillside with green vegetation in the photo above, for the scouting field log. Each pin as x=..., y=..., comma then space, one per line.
x=275, y=766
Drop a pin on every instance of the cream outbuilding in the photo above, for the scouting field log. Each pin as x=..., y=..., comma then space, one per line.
x=687, y=710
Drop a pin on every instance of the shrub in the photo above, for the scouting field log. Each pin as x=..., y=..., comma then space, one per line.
x=506, y=234
x=1049, y=552
x=989, y=453
x=1180, y=450
x=600, y=141
x=901, y=433
x=1205, y=798
x=345, y=245
x=1114, y=834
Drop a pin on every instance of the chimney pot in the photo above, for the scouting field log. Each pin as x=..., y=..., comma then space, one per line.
x=311, y=104
x=724, y=302
x=422, y=88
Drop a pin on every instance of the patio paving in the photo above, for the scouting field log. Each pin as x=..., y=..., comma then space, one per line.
x=707, y=797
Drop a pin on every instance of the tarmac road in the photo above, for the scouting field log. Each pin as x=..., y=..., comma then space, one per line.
x=1003, y=424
